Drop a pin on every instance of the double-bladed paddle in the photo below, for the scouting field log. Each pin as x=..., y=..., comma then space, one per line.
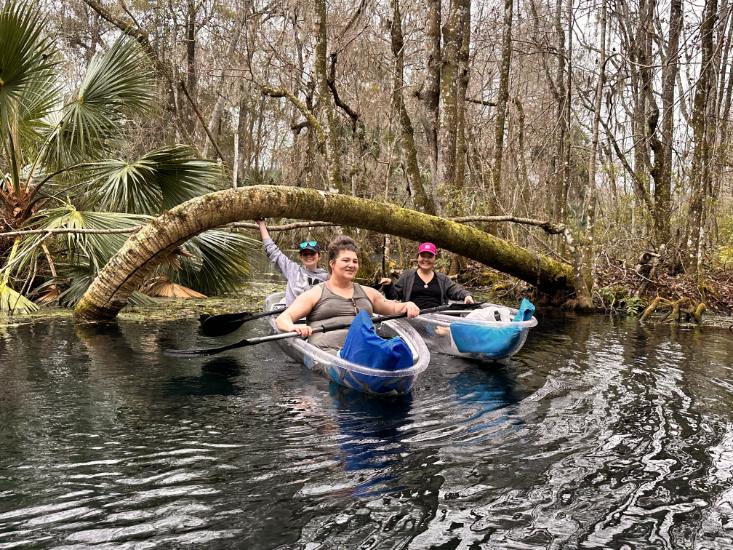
x=283, y=335
x=219, y=325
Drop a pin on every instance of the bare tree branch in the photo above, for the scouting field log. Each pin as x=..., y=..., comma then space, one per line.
x=310, y=117
x=550, y=227
x=201, y=119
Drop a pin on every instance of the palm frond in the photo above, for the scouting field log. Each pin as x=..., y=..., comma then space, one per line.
x=219, y=263
x=97, y=248
x=80, y=277
x=26, y=55
x=162, y=287
x=27, y=59
x=36, y=111
x=118, y=81
x=13, y=302
x=156, y=181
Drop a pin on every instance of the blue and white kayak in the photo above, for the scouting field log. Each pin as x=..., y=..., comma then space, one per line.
x=487, y=333
x=351, y=375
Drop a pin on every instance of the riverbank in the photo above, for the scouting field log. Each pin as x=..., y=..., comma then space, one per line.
x=622, y=290
x=614, y=298
x=249, y=298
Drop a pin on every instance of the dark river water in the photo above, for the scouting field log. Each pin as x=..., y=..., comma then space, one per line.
x=601, y=433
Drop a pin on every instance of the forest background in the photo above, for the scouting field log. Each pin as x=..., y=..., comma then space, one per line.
x=595, y=132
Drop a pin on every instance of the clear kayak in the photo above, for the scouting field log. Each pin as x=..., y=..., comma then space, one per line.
x=487, y=333
x=358, y=377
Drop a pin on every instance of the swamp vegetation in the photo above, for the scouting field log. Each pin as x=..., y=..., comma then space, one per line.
x=584, y=146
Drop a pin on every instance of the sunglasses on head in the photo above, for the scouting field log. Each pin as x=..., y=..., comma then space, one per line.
x=307, y=243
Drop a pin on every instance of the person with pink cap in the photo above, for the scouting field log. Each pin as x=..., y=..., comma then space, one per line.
x=424, y=286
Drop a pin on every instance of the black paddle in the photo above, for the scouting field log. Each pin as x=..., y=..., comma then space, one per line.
x=219, y=325
x=283, y=335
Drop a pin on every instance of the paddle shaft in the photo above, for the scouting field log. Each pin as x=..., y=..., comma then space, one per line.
x=284, y=335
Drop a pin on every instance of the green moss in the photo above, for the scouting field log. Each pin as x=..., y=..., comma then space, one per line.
x=250, y=298
x=45, y=314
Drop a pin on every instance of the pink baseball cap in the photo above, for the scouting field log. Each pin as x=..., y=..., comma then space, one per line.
x=428, y=247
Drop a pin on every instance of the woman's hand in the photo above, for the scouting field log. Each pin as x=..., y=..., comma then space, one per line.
x=385, y=281
x=468, y=300
x=411, y=309
x=304, y=330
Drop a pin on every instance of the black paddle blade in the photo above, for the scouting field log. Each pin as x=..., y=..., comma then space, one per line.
x=219, y=325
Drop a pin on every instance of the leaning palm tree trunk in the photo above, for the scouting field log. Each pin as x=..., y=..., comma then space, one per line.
x=126, y=271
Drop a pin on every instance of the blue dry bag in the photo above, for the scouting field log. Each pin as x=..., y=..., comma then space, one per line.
x=525, y=311
x=365, y=347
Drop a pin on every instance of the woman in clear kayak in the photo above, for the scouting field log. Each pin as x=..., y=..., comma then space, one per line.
x=338, y=300
x=300, y=277
x=424, y=286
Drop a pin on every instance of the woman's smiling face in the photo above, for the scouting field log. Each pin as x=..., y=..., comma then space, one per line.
x=345, y=265
x=309, y=259
x=425, y=261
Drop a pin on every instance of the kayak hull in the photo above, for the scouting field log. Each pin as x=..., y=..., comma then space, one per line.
x=358, y=377
x=480, y=339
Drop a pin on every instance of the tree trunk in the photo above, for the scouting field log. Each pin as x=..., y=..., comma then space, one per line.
x=326, y=100
x=137, y=259
x=463, y=78
x=585, y=254
x=412, y=170
x=431, y=96
x=502, y=102
x=191, y=78
x=558, y=161
x=448, y=99
x=663, y=188
x=700, y=172
x=218, y=111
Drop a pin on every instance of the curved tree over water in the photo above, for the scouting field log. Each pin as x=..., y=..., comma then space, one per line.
x=125, y=271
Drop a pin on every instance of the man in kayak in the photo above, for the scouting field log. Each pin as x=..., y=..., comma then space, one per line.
x=338, y=300
x=425, y=286
x=299, y=277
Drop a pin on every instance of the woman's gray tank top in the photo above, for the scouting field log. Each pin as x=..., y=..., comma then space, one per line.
x=333, y=309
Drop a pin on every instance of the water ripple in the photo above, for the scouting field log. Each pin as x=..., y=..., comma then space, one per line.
x=600, y=434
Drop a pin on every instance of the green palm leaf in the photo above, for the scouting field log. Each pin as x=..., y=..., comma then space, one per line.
x=26, y=56
x=117, y=82
x=26, y=68
x=13, y=302
x=80, y=276
x=93, y=250
x=36, y=112
x=156, y=181
x=219, y=262
x=97, y=248
x=119, y=79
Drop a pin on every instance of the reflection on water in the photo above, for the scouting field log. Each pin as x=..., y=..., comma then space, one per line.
x=371, y=440
x=601, y=433
x=218, y=377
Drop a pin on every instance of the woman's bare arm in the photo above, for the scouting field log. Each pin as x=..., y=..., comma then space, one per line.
x=383, y=306
x=301, y=307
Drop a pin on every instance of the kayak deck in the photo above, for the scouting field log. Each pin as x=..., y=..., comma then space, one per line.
x=358, y=377
x=491, y=337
